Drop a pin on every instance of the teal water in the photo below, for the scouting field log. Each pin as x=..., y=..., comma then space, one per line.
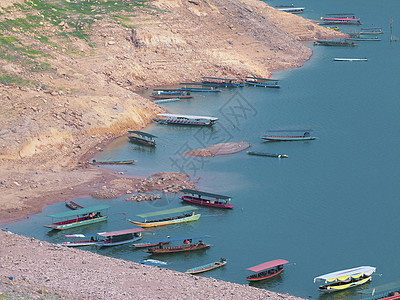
x=331, y=205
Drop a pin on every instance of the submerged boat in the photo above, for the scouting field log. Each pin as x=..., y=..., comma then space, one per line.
x=345, y=279
x=350, y=59
x=73, y=205
x=266, y=270
x=187, y=245
x=262, y=82
x=142, y=138
x=339, y=43
x=175, y=219
x=207, y=267
x=79, y=217
x=305, y=137
x=267, y=154
x=221, y=82
x=189, y=120
x=212, y=200
x=389, y=291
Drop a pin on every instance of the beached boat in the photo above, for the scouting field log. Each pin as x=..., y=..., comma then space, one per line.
x=153, y=262
x=267, y=154
x=266, y=270
x=345, y=279
x=339, y=43
x=142, y=138
x=340, y=20
x=187, y=245
x=174, y=219
x=73, y=205
x=262, y=82
x=176, y=92
x=113, y=162
x=305, y=137
x=206, y=199
x=221, y=82
x=188, y=120
x=292, y=10
x=350, y=59
x=80, y=243
x=389, y=291
x=79, y=217
x=208, y=267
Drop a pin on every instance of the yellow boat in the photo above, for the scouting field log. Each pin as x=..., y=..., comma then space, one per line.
x=345, y=279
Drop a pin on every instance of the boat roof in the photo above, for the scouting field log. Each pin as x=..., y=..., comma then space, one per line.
x=107, y=234
x=187, y=116
x=168, y=211
x=267, y=265
x=216, y=78
x=211, y=195
x=82, y=211
x=193, y=237
x=367, y=270
x=392, y=286
x=259, y=78
x=142, y=133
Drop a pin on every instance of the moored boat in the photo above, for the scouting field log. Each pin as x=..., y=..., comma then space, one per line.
x=262, y=82
x=199, y=90
x=150, y=243
x=362, y=39
x=345, y=279
x=221, y=82
x=166, y=97
x=267, y=154
x=142, y=138
x=73, y=205
x=266, y=270
x=187, y=245
x=207, y=267
x=350, y=59
x=339, y=43
x=174, y=219
x=79, y=217
x=305, y=137
x=212, y=200
x=340, y=20
x=187, y=120
x=371, y=30
x=120, y=237
x=292, y=10
x=113, y=162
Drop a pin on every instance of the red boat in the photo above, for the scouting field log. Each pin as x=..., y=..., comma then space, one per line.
x=266, y=270
x=217, y=201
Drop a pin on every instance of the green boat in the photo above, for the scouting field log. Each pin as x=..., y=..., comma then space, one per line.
x=79, y=217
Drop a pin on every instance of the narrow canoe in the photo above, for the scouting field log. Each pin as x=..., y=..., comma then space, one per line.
x=267, y=154
x=207, y=267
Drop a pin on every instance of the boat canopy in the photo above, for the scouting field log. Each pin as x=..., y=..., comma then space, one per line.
x=259, y=78
x=82, y=211
x=194, y=237
x=187, y=116
x=268, y=265
x=194, y=192
x=216, y=78
x=168, y=211
x=148, y=135
x=344, y=274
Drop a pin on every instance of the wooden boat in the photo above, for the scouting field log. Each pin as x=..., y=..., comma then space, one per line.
x=292, y=10
x=389, y=291
x=221, y=82
x=142, y=138
x=79, y=217
x=362, y=39
x=90, y=242
x=208, y=267
x=266, y=270
x=345, y=279
x=175, y=219
x=339, y=43
x=261, y=82
x=166, y=100
x=350, y=59
x=188, y=120
x=73, y=205
x=267, y=154
x=113, y=162
x=120, y=237
x=340, y=20
x=185, y=247
x=217, y=201
x=164, y=97
x=371, y=30
x=150, y=244
x=306, y=136
x=201, y=90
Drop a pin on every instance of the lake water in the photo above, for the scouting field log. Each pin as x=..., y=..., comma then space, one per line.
x=332, y=205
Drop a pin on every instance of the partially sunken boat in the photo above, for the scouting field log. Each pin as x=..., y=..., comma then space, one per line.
x=142, y=138
x=188, y=120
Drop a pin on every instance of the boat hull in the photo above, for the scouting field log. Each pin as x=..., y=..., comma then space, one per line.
x=287, y=138
x=176, y=249
x=252, y=278
x=336, y=288
x=204, y=202
x=60, y=226
x=260, y=84
x=267, y=154
x=167, y=222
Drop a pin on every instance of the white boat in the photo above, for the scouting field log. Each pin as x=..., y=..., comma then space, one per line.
x=292, y=10
x=345, y=279
x=176, y=119
x=350, y=59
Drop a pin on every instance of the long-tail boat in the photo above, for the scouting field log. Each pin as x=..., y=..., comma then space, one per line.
x=113, y=162
x=345, y=279
x=267, y=154
x=207, y=267
x=389, y=291
x=364, y=39
x=199, y=90
x=221, y=82
x=292, y=10
x=304, y=137
x=340, y=20
x=79, y=217
x=371, y=30
x=350, y=59
x=175, y=219
x=142, y=138
x=189, y=120
x=150, y=243
x=266, y=270
x=262, y=82
x=187, y=245
x=338, y=43
x=218, y=201
x=166, y=100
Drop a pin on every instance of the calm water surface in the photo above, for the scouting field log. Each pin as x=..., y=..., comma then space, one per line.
x=331, y=205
